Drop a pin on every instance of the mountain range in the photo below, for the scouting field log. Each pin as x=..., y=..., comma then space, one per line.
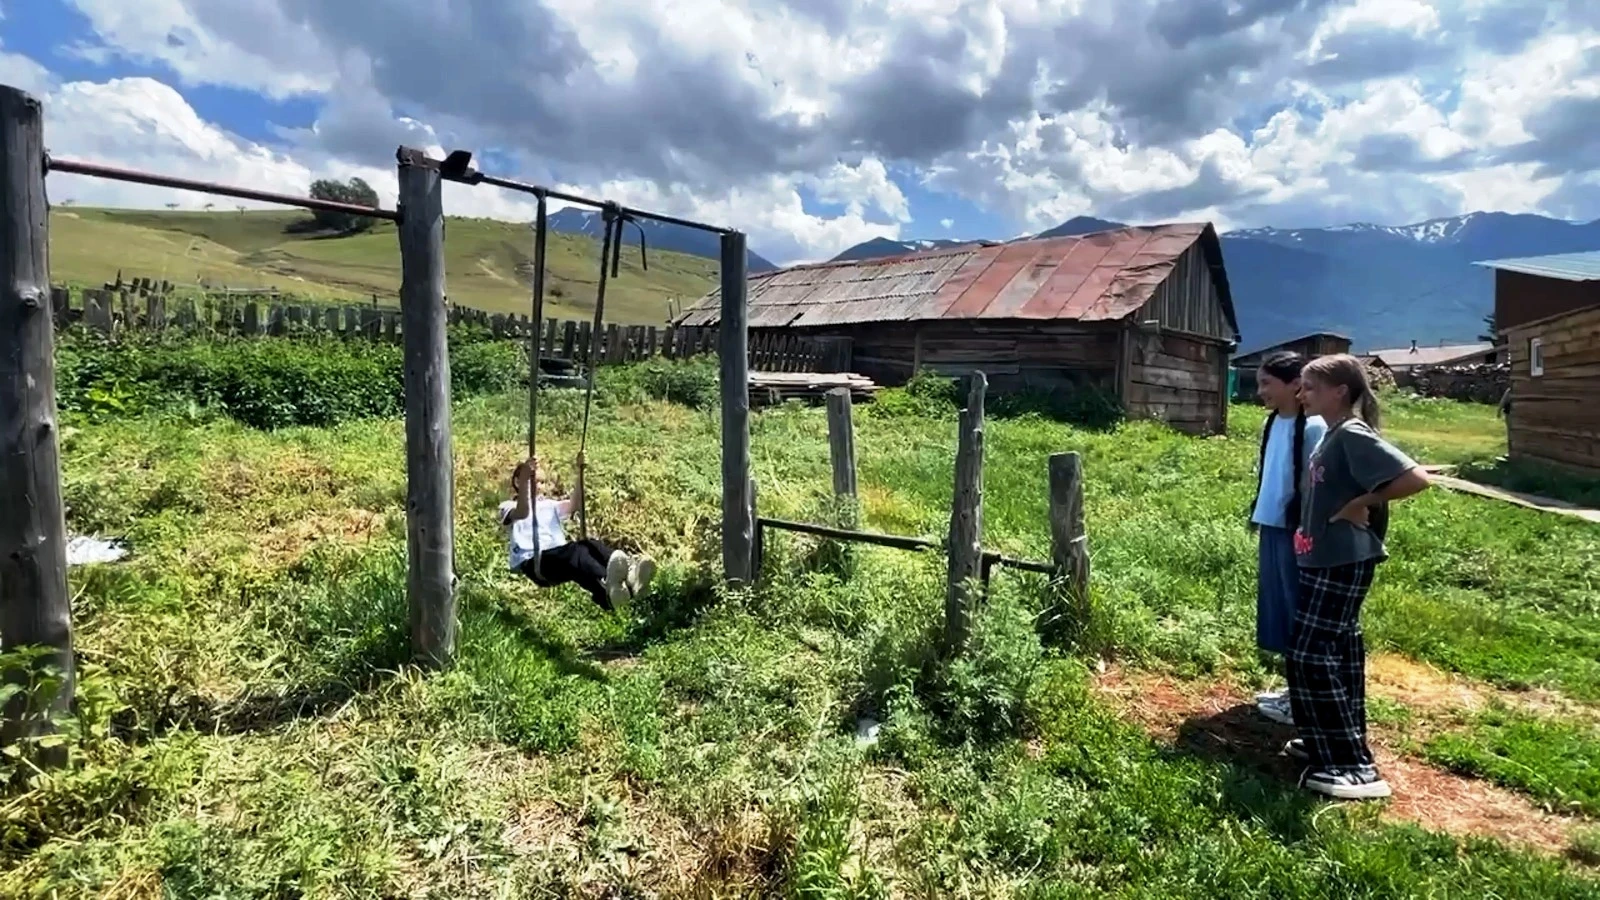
x=1382, y=286
x=657, y=235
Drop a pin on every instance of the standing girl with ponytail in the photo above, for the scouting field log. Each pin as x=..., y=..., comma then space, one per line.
x=1352, y=476
x=1287, y=439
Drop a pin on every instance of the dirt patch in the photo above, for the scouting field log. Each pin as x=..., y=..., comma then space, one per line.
x=287, y=543
x=1219, y=720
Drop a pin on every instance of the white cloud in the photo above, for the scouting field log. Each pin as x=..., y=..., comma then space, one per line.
x=947, y=224
x=1036, y=110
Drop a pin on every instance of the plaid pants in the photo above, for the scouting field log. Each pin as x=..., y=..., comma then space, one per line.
x=1327, y=665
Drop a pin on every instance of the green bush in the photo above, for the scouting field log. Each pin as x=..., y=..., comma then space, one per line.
x=691, y=382
x=266, y=383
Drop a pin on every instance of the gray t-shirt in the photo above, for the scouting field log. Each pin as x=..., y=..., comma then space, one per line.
x=1350, y=461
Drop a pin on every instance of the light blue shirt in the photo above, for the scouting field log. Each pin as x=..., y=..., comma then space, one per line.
x=1277, y=469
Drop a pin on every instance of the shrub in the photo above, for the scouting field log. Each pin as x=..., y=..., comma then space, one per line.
x=691, y=382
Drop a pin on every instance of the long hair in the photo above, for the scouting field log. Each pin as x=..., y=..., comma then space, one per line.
x=1286, y=366
x=1344, y=370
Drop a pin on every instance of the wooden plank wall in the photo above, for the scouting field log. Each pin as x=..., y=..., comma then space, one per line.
x=110, y=313
x=1554, y=418
x=1178, y=380
x=1188, y=301
x=1013, y=355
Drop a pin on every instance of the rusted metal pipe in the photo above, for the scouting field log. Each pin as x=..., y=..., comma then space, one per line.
x=113, y=173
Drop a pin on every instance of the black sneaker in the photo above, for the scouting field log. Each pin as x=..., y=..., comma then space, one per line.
x=1296, y=750
x=1346, y=783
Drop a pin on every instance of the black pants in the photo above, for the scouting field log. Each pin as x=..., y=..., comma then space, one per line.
x=577, y=562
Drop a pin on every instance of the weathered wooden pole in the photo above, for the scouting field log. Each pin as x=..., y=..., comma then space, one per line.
x=738, y=516
x=966, y=520
x=1069, y=542
x=35, y=608
x=842, y=442
x=430, y=478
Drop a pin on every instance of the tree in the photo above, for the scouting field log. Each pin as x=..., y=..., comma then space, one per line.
x=172, y=206
x=355, y=191
x=209, y=207
x=1491, y=334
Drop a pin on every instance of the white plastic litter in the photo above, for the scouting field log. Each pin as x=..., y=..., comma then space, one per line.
x=867, y=731
x=85, y=550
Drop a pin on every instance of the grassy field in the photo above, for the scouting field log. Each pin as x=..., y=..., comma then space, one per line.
x=489, y=263
x=251, y=730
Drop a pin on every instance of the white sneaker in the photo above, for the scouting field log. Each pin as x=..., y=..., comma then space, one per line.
x=640, y=574
x=617, y=568
x=1362, y=783
x=1266, y=696
x=1276, y=709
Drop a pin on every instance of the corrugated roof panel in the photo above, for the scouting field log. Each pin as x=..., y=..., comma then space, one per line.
x=1106, y=275
x=1565, y=266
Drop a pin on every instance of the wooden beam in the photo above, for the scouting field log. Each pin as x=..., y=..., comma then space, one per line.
x=35, y=608
x=1069, y=542
x=430, y=474
x=966, y=521
x=738, y=516
x=842, y=442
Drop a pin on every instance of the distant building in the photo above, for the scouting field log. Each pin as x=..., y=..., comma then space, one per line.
x=1402, y=361
x=1311, y=346
x=1548, y=310
x=1142, y=313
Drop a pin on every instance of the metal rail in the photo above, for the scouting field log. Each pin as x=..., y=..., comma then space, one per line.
x=457, y=167
x=113, y=173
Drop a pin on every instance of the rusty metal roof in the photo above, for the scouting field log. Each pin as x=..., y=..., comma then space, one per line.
x=1103, y=276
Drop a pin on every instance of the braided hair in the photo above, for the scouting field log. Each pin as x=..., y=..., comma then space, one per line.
x=1286, y=367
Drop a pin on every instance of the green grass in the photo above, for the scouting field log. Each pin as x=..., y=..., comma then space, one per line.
x=489, y=263
x=1556, y=761
x=255, y=732
x=1533, y=478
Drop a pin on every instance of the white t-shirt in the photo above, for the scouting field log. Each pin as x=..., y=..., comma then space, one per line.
x=551, y=534
x=1277, y=470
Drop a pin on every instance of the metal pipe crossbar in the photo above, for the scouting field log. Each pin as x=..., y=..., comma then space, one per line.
x=113, y=173
x=457, y=167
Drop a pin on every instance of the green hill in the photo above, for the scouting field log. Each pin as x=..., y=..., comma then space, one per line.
x=489, y=263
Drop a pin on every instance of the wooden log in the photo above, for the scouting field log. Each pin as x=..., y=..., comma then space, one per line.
x=371, y=322
x=97, y=310
x=252, y=319
x=430, y=474
x=275, y=320
x=842, y=442
x=60, y=300
x=585, y=343
x=155, y=315
x=614, y=351
x=497, y=326
x=966, y=521
x=391, y=324
x=550, y=328
x=1069, y=541
x=296, y=316
x=738, y=518
x=330, y=320
x=650, y=343
x=35, y=608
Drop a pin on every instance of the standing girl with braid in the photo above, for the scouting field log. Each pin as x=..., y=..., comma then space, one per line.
x=1352, y=477
x=1287, y=439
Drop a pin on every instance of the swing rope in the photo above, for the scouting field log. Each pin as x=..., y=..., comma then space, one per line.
x=540, y=230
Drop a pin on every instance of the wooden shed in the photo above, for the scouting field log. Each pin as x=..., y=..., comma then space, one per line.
x=1548, y=310
x=1310, y=346
x=1142, y=313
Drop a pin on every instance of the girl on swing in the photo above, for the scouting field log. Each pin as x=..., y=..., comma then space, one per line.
x=611, y=577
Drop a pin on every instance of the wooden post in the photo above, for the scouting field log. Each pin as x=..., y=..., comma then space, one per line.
x=738, y=519
x=60, y=298
x=430, y=477
x=155, y=312
x=35, y=608
x=1069, y=542
x=966, y=520
x=569, y=340
x=842, y=442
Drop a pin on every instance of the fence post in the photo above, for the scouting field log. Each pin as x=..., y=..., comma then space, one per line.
x=738, y=518
x=35, y=608
x=966, y=520
x=569, y=339
x=842, y=442
x=1069, y=542
x=155, y=312
x=430, y=477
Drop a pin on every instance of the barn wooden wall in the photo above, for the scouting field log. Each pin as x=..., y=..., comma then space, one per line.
x=1013, y=355
x=1187, y=300
x=1555, y=418
x=1176, y=379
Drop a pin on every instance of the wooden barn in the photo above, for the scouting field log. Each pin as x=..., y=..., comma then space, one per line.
x=1311, y=346
x=1143, y=313
x=1548, y=310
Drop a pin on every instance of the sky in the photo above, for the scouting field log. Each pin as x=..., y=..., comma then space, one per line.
x=816, y=124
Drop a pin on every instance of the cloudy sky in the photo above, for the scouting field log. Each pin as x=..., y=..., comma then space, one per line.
x=815, y=124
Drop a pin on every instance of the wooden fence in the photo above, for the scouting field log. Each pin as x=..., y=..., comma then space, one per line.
x=113, y=312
